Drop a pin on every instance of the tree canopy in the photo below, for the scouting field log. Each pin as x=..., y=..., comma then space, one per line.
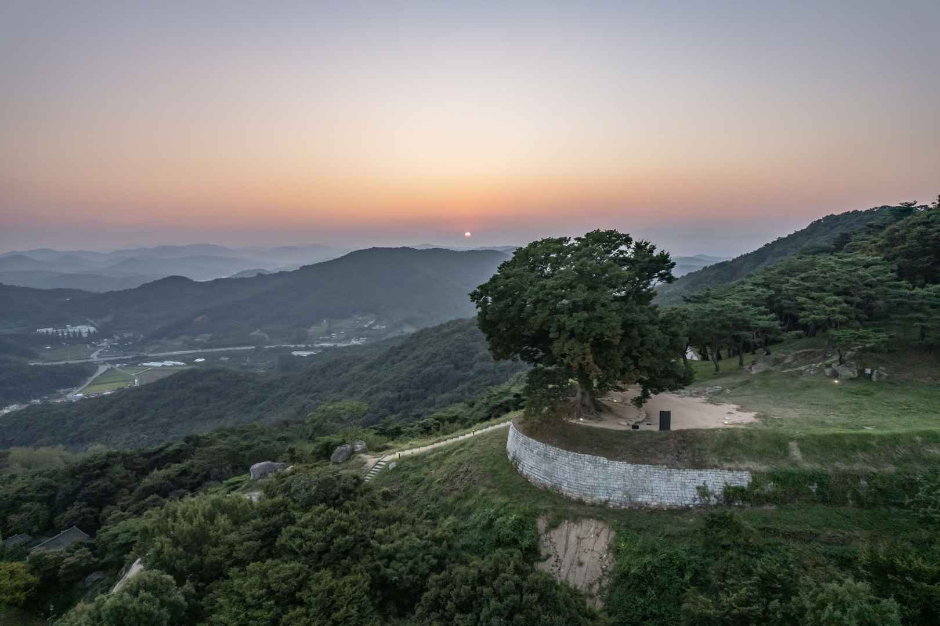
x=579, y=309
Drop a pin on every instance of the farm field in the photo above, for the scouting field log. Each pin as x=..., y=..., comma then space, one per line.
x=66, y=353
x=155, y=374
x=121, y=377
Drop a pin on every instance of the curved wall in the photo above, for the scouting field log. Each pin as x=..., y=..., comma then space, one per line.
x=597, y=480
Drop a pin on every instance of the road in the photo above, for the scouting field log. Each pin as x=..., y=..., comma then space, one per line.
x=97, y=359
x=101, y=369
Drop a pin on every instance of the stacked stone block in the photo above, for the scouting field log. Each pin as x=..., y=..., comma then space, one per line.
x=597, y=480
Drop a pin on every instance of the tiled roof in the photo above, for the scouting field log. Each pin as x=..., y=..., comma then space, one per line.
x=63, y=539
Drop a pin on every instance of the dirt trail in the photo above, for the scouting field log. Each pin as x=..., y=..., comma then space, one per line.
x=372, y=469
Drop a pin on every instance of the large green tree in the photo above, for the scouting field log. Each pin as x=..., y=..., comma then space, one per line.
x=579, y=309
x=149, y=599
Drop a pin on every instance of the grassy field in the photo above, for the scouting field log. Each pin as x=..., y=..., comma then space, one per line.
x=109, y=380
x=796, y=403
x=805, y=422
x=155, y=374
x=66, y=353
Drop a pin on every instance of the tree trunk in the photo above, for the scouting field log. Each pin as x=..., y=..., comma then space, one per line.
x=704, y=354
x=585, y=402
x=715, y=354
x=740, y=352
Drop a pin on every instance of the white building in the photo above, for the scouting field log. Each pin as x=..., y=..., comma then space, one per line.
x=83, y=329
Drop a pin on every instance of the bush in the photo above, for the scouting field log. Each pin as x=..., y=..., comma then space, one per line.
x=499, y=589
x=149, y=599
x=845, y=603
x=17, y=583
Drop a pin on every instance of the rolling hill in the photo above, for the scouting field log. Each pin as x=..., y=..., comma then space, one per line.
x=818, y=236
x=401, y=288
x=401, y=379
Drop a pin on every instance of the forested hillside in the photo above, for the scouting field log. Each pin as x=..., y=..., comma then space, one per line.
x=401, y=287
x=819, y=236
x=402, y=380
x=21, y=383
x=872, y=288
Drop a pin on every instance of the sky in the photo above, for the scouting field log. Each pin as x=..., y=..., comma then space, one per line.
x=708, y=127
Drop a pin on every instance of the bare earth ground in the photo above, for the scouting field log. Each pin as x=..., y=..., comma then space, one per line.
x=578, y=553
x=687, y=412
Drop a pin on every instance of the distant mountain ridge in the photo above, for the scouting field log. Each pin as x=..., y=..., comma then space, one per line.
x=127, y=268
x=817, y=236
x=402, y=288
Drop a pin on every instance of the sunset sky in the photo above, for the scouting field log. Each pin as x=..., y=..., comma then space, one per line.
x=709, y=127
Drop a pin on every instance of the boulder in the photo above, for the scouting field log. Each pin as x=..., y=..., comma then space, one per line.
x=847, y=370
x=265, y=468
x=760, y=366
x=879, y=375
x=342, y=453
x=712, y=390
x=812, y=369
x=359, y=447
x=831, y=372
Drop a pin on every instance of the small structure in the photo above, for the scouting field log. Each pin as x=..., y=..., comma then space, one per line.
x=63, y=540
x=16, y=540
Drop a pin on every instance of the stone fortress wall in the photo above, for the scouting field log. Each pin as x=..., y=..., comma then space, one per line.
x=597, y=480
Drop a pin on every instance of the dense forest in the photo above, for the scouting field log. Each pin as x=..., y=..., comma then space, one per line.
x=818, y=237
x=403, y=379
x=21, y=383
x=871, y=286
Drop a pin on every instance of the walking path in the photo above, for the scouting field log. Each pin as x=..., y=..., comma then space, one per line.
x=383, y=462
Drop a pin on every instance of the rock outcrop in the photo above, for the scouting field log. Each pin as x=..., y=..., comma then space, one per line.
x=847, y=370
x=342, y=453
x=266, y=468
x=879, y=375
x=360, y=447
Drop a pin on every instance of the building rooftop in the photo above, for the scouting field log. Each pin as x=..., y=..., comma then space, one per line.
x=63, y=539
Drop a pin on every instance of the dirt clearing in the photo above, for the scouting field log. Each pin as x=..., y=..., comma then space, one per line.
x=687, y=412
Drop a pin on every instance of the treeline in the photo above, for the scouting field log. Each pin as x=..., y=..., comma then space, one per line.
x=404, y=380
x=20, y=382
x=868, y=285
x=816, y=238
